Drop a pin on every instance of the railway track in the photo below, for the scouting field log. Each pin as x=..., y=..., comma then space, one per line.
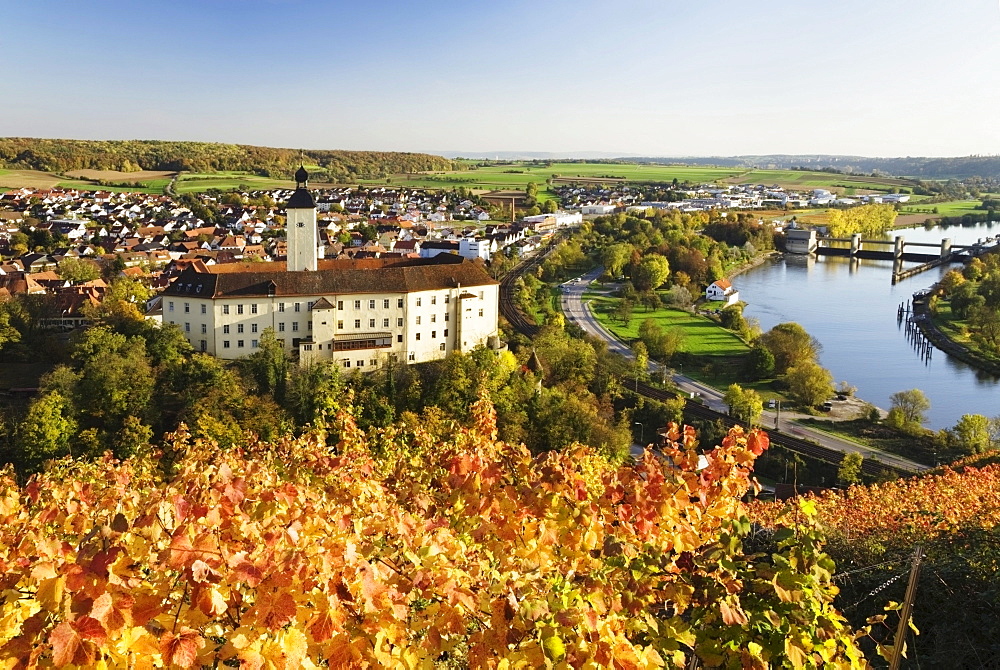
x=692, y=410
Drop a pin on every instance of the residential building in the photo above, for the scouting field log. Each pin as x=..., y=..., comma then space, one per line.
x=361, y=313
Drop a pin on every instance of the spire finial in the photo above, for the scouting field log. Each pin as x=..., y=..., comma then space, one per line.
x=301, y=177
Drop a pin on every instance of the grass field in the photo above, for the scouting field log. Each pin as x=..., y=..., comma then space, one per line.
x=518, y=175
x=952, y=208
x=189, y=182
x=702, y=336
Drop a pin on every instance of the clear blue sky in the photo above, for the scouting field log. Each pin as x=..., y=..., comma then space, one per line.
x=651, y=77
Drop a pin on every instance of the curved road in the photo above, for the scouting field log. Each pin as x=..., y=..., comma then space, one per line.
x=577, y=311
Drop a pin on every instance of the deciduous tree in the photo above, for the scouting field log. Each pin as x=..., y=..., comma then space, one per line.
x=790, y=345
x=809, y=383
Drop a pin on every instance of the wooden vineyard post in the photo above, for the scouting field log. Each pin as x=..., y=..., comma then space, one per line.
x=904, y=615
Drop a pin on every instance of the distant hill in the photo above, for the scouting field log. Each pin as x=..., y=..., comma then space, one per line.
x=910, y=166
x=62, y=156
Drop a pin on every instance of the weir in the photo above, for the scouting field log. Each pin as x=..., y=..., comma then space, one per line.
x=898, y=251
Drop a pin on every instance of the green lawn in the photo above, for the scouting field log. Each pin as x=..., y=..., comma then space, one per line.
x=702, y=336
x=189, y=182
x=951, y=208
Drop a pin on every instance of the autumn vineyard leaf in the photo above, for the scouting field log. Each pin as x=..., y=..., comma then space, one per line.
x=444, y=549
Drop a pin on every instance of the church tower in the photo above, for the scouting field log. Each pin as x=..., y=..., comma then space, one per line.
x=300, y=226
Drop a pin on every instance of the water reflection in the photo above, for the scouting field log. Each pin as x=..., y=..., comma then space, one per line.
x=850, y=306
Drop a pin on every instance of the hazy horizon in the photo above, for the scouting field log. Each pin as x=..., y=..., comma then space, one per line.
x=642, y=78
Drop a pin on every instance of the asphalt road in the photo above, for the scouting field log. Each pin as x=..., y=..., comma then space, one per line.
x=577, y=311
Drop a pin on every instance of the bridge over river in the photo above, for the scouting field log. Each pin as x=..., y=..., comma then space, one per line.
x=899, y=251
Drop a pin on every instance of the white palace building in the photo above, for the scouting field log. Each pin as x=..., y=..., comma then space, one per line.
x=358, y=312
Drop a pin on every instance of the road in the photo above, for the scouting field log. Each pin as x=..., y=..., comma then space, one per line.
x=578, y=311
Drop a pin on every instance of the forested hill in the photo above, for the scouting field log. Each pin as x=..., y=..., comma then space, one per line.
x=960, y=167
x=134, y=155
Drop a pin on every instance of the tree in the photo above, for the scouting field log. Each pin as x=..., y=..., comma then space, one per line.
x=78, y=270
x=653, y=270
x=745, y=405
x=641, y=363
x=531, y=193
x=790, y=345
x=911, y=405
x=973, y=433
x=269, y=366
x=731, y=317
x=123, y=307
x=45, y=431
x=849, y=470
x=614, y=258
x=678, y=297
x=759, y=363
x=809, y=383
x=662, y=343
x=115, y=382
x=623, y=311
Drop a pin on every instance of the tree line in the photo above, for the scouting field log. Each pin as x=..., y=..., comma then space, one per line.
x=55, y=155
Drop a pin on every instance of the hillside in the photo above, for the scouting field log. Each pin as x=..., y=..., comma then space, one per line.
x=872, y=532
x=129, y=156
x=408, y=548
x=958, y=167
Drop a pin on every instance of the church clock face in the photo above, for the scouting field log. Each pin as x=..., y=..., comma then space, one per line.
x=300, y=224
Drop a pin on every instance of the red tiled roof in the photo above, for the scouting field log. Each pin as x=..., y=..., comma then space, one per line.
x=369, y=275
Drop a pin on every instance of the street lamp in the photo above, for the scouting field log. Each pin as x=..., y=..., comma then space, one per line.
x=777, y=414
x=641, y=430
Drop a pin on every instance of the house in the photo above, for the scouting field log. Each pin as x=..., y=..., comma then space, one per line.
x=589, y=210
x=722, y=290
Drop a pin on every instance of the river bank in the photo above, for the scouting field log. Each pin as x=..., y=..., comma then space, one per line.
x=751, y=264
x=923, y=318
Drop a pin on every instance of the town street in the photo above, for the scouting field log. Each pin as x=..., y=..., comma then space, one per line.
x=578, y=311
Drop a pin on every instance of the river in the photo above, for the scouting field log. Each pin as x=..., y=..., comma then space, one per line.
x=850, y=307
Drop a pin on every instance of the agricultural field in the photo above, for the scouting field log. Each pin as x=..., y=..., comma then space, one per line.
x=506, y=176
x=839, y=183
x=27, y=179
x=518, y=175
x=191, y=182
x=151, y=182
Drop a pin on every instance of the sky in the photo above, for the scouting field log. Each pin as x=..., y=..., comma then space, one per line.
x=629, y=77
